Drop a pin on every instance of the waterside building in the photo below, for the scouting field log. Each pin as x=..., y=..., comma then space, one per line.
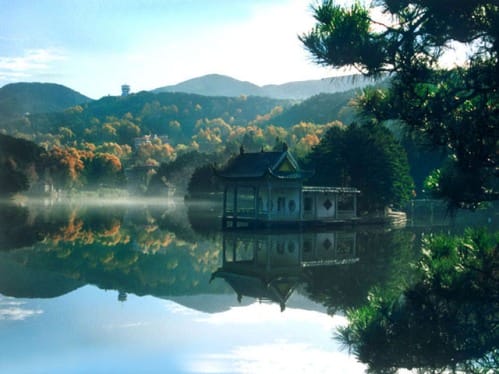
x=266, y=189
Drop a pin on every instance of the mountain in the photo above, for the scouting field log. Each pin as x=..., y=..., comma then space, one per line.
x=19, y=98
x=214, y=85
x=305, y=89
x=220, y=85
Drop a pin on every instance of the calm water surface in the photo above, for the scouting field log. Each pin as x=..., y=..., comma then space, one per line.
x=159, y=288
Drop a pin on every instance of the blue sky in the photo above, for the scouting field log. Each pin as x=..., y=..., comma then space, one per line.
x=94, y=46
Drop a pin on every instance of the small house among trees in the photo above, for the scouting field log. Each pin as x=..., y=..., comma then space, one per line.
x=266, y=189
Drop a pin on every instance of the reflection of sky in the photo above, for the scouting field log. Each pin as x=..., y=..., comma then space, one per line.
x=88, y=330
x=11, y=309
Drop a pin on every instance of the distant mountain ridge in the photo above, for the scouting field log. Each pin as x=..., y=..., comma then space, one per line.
x=213, y=85
x=221, y=85
x=19, y=98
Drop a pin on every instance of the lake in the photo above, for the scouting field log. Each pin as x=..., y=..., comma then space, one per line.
x=100, y=287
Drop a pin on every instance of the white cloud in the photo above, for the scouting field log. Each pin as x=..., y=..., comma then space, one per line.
x=33, y=61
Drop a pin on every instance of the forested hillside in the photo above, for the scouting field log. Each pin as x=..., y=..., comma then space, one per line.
x=320, y=109
x=20, y=98
x=93, y=142
x=186, y=119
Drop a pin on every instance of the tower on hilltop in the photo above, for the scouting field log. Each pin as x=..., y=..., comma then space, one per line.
x=125, y=90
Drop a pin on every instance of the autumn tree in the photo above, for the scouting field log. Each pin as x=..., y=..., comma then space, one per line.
x=65, y=166
x=454, y=108
x=105, y=169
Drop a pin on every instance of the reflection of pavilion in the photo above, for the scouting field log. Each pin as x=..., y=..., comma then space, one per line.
x=270, y=266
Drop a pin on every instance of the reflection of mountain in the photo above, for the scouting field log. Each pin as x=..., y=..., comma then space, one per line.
x=140, y=250
x=207, y=303
x=181, y=269
x=217, y=303
x=19, y=281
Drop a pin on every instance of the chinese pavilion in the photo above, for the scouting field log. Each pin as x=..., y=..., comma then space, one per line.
x=266, y=189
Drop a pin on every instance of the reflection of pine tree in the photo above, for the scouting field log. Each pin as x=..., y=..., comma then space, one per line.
x=445, y=318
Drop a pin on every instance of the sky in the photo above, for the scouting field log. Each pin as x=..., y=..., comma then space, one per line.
x=95, y=46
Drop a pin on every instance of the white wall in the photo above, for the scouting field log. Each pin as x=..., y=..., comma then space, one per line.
x=288, y=197
x=321, y=210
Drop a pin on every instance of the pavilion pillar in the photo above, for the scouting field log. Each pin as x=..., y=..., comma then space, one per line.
x=224, y=209
x=256, y=193
x=224, y=250
x=234, y=213
x=269, y=201
x=300, y=203
x=336, y=205
x=355, y=205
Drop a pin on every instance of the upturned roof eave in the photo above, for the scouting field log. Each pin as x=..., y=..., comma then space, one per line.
x=269, y=173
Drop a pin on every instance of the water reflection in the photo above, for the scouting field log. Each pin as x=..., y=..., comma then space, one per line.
x=154, y=250
x=136, y=250
x=269, y=266
x=173, y=252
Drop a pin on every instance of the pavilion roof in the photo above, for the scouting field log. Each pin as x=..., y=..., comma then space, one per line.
x=280, y=165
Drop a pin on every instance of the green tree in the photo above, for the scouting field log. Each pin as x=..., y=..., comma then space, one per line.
x=367, y=157
x=19, y=164
x=203, y=181
x=12, y=180
x=457, y=108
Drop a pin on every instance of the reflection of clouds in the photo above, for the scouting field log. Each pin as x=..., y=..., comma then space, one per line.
x=257, y=313
x=310, y=347
x=128, y=325
x=278, y=357
x=283, y=357
x=13, y=310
